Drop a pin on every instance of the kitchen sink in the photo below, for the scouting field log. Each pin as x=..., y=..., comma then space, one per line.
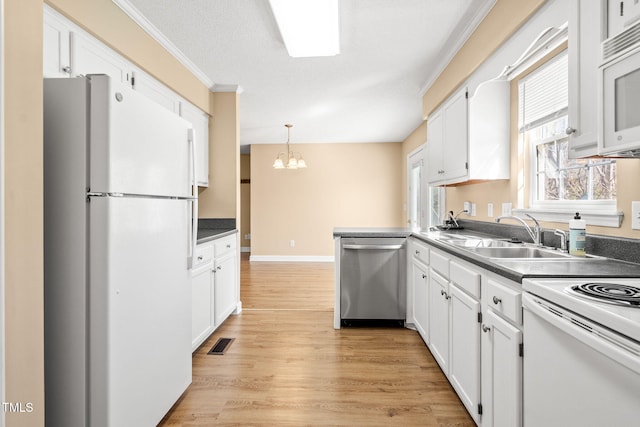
x=473, y=243
x=526, y=252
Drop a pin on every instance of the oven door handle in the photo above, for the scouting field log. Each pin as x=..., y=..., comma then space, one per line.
x=626, y=354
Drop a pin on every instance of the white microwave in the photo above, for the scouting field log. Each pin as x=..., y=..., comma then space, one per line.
x=620, y=95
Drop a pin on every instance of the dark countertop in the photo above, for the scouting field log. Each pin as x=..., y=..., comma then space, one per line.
x=512, y=269
x=208, y=234
x=215, y=228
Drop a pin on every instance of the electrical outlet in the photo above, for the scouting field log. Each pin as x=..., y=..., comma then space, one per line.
x=490, y=210
x=635, y=215
x=506, y=209
x=292, y=243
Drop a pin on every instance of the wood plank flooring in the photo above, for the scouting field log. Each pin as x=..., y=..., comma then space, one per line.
x=289, y=367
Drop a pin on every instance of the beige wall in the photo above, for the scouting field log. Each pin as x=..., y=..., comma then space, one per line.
x=23, y=172
x=245, y=200
x=345, y=185
x=221, y=199
x=23, y=208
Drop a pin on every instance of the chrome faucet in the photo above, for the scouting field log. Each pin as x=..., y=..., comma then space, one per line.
x=454, y=218
x=535, y=233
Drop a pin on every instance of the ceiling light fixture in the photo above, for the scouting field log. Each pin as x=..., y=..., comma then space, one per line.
x=308, y=27
x=293, y=160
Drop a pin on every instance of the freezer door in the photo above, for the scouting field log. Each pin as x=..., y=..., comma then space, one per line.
x=139, y=308
x=136, y=145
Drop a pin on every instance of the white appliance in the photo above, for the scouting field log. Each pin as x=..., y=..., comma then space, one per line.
x=620, y=91
x=120, y=223
x=581, y=362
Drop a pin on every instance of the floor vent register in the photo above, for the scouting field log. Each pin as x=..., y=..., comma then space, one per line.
x=221, y=346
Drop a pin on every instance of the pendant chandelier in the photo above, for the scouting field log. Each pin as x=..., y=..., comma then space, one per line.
x=289, y=159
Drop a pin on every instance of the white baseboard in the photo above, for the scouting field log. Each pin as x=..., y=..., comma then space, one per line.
x=286, y=258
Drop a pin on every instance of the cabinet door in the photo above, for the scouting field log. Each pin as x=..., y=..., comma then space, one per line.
x=201, y=305
x=420, y=283
x=501, y=373
x=156, y=91
x=225, y=286
x=455, y=158
x=439, y=319
x=586, y=31
x=56, y=59
x=435, y=147
x=200, y=122
x=90, y=57
x=464, y=368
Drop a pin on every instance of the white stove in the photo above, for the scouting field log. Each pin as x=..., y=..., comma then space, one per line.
x=614, y=303
x=581, y=364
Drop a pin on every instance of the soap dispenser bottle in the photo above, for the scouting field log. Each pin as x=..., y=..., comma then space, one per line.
x=577, y=236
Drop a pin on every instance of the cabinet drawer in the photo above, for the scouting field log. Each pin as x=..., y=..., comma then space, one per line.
x=439, y=263
x=202, y=255
x=504, y=300
x=224, y=245
x=465, y=279
x=420, y=252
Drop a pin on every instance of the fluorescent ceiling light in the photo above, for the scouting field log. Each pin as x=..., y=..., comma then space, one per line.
x=308, y=27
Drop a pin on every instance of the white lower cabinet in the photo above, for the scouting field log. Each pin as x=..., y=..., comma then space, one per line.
x=502, y=355
x=202, y=295
x=419, y=274
x=464, y=358
x=473, y=327
x=439, y=319
x=225, y=287
x=215, y=287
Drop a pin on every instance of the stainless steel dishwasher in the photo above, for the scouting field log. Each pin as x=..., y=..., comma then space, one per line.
x=373, y=282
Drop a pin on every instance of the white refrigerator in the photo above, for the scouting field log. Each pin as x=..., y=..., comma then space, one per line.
x=120, y=226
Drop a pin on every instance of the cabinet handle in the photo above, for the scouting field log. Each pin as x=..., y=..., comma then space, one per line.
x=485, y=328
x=446, y=296
x=200, y=258
x=219, y=268
x=417, y=252
x=570, y=130
x=229, y=246
x=424, y=276
x=496, y=300
x=66, y=69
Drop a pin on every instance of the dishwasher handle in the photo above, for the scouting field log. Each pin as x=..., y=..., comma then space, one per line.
x=371, y=247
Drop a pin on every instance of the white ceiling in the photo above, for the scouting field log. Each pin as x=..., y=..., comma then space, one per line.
x=391, y=50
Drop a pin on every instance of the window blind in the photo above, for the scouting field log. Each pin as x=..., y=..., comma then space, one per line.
x=544, y=94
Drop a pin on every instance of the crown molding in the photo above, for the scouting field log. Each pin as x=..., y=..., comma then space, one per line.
x=157, y=35
x=450, y=49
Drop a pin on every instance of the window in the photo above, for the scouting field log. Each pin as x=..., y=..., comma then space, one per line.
x=558, y=182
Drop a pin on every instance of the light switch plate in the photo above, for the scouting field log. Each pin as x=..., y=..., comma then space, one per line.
x=635, y=215
x=506, y=209
x=473, y=209
x=490, y=210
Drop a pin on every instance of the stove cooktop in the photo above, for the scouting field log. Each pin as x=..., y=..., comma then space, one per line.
x=618, y=311
x=611, y=293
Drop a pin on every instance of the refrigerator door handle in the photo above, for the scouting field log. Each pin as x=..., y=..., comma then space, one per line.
x=193, y=235
x=192, y=169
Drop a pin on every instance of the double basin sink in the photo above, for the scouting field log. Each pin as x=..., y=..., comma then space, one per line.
x=500, y=249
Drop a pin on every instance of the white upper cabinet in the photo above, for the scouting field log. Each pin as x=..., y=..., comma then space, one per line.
x=56, y=59
x=88, y=56
x=447, y=141
x=156, y=91
x=200, y=122
x=587, y=29
x=468, y=137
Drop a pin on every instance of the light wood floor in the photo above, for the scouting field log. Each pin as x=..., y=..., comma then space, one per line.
x=289, y=367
